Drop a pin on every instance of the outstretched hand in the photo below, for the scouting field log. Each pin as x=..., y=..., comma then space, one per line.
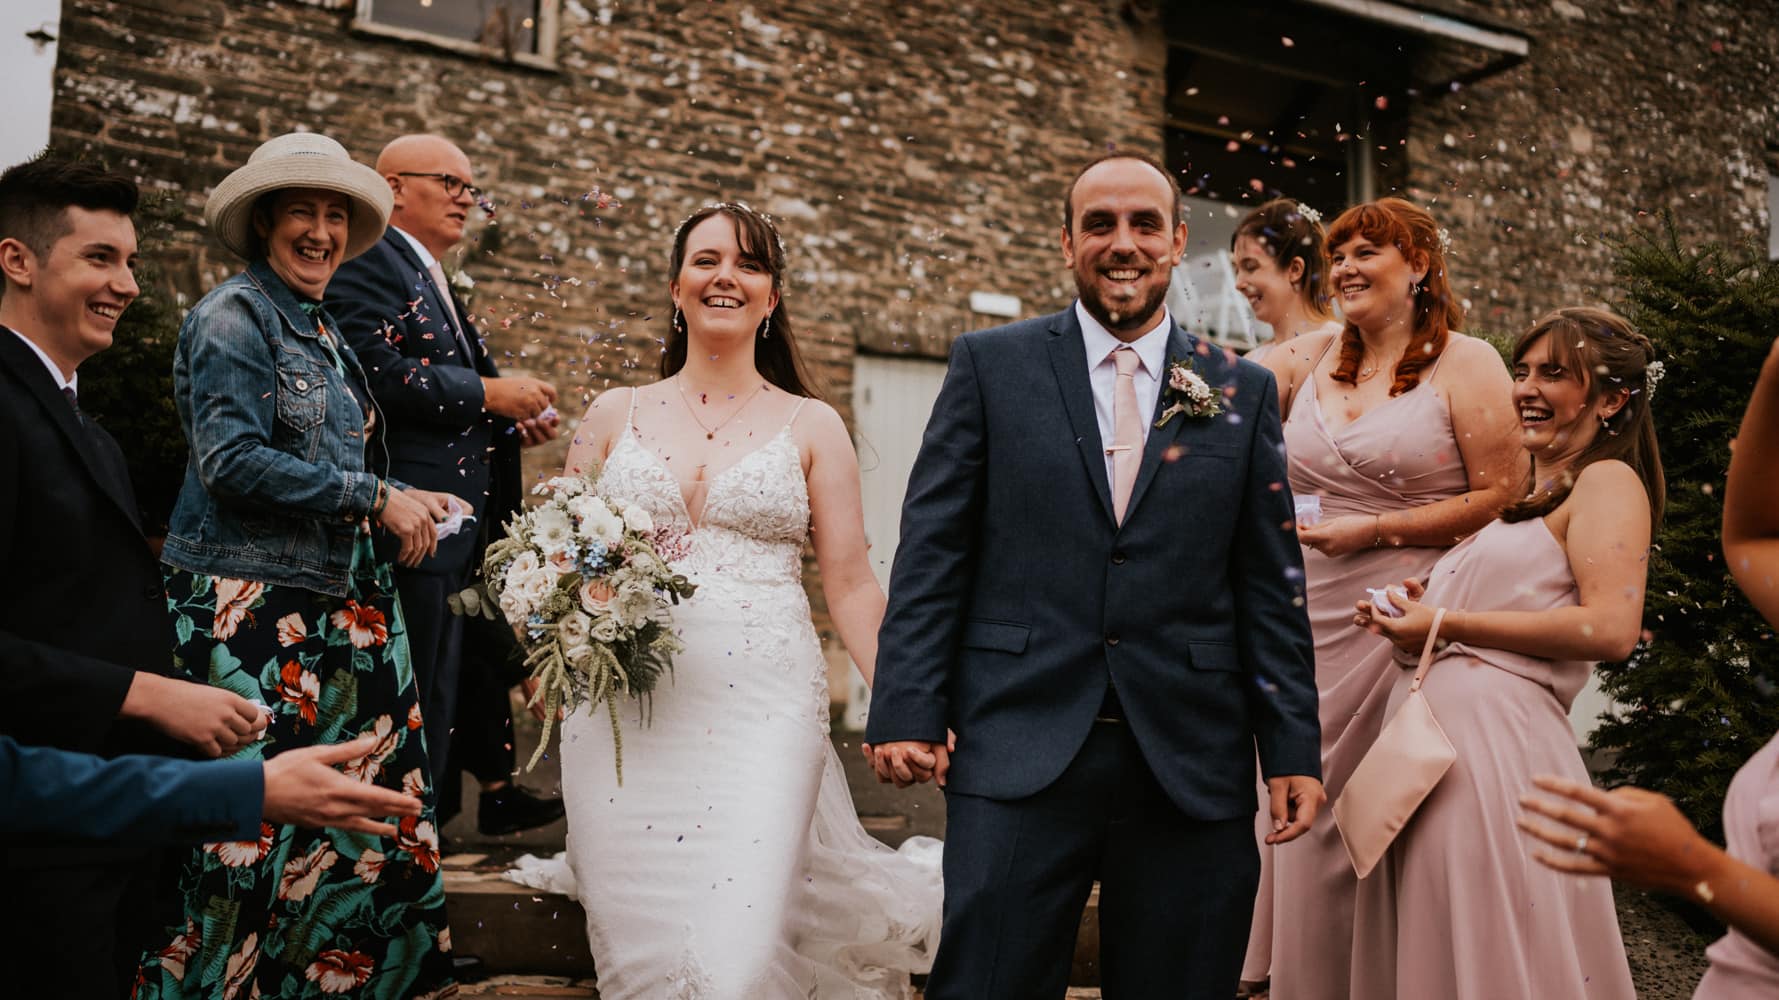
x=1296, y=799
x=1628, y=833
x=302, y=787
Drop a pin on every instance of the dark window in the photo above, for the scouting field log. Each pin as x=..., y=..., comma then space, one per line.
x=503, y=27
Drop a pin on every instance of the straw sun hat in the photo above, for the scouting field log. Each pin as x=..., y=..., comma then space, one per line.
x=300, y=160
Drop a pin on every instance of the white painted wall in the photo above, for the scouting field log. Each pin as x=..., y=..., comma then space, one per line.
x=891, y=399
x=27, y=77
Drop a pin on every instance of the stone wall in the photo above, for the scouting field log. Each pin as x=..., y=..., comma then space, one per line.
x=913, y=152
x=1623, y=111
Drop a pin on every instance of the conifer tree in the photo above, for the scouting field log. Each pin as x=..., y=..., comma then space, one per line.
x=1701, y=694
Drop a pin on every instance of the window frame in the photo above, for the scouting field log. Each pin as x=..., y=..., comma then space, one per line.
x=549, y=19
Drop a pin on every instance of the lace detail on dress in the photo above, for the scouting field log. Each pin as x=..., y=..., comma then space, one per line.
x=688, y=980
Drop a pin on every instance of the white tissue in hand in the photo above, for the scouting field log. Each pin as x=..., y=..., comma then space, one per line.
x=265, y=718
x=1380, y=600
x=1309, y=510
x=453, y=524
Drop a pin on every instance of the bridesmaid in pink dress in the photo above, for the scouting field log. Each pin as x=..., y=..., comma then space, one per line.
x=1457, y=909
x=1281, y=266
x=1405, y=431
x=1640, y=836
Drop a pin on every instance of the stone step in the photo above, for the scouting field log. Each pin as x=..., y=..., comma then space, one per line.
x=516, y=930
x=556, y=987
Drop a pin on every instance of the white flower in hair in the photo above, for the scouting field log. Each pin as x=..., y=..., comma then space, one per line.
x=1445, y=240
x=1309, y=214
x=1652, y=375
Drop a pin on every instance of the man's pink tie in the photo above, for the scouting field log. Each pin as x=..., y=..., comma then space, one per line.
x=1127, y=430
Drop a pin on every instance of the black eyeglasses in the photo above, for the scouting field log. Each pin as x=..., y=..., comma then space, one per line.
x=454, y=184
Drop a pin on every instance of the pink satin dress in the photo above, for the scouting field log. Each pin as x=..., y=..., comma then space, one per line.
x=1458, y=908
x=1399, y=455
x=1741, y=969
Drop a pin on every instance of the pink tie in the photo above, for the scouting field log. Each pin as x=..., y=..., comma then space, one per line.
x=444, y=289
x=1127, y=430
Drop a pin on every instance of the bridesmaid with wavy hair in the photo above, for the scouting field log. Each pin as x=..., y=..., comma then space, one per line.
x=1404, y=429
x=1457, y=908
x=1280, y=256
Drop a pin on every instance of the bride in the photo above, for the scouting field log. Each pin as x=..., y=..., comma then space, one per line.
x=730, y=864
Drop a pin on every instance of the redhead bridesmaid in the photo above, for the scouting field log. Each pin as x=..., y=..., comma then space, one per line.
x=1404, y=429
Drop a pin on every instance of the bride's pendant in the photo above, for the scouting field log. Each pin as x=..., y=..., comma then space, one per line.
x=710, y=435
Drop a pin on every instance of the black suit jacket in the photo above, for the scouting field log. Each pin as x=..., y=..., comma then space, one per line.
x=1016, y=597
x=440, y=438
x=82, y=602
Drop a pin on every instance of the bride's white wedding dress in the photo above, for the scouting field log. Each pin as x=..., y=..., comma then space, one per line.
x=731, y=864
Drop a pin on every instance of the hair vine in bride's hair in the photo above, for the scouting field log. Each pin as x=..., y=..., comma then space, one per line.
x=735, y=206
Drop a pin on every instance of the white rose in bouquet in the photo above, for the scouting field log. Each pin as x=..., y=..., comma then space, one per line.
x=583, y=507
x=562, y=486
x=533, y=587
x=578, y=655
x=513, y=607
x=635, y=605
x=606, y=630
x=551, y=530
x=638, y=520
x=575, y=628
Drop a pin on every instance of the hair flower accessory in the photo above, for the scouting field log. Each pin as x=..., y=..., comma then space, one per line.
x=1445, y=240
x=1652, y=375
x=1309, y=214
x=1187, y=392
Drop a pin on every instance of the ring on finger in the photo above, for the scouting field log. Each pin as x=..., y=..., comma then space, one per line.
x=1581, y=844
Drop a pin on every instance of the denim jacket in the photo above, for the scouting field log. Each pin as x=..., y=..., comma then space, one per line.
x=279, y=481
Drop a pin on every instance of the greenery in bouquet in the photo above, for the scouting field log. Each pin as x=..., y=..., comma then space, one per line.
x=582, y=584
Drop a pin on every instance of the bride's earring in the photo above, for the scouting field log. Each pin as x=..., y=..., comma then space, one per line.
x=766, y=327
x=679, y=321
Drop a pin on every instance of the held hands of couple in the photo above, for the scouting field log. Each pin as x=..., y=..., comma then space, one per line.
x=411, y=515
x=303, y=788
x=1296, y=799
x=910, y=762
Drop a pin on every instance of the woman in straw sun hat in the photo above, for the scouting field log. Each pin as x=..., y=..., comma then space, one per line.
x=279, y=595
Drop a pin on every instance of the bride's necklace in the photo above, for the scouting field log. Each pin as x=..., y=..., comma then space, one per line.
x=710, y=433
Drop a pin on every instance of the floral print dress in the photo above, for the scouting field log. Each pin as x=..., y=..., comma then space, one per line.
x=302, y=912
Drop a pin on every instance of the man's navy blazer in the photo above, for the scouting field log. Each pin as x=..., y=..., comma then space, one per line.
x=57, y=795
x=1016, y=597
x=440, y=438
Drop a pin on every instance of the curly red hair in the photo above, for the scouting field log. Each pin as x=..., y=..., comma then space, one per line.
x=1412, y=231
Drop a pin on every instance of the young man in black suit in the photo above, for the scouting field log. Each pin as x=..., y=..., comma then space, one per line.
x=454, y=424
x=85, y=636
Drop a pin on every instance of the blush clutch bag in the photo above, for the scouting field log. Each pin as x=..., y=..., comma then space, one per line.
x=1397, y=774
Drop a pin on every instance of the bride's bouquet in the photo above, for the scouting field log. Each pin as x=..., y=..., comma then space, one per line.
x=583, y=587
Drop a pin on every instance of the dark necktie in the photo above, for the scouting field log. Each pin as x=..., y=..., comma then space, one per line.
x=73, y=399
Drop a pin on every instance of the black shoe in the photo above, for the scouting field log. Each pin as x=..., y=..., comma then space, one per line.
x=468, y=969
x=511, y=809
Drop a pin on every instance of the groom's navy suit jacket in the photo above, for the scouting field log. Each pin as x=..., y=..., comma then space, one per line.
x=1016, y=596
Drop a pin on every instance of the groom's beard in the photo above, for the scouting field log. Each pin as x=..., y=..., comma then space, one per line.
x=1139, y=312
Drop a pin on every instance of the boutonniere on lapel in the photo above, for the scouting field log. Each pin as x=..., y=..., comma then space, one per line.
x=1187, y=392
x=462, y=285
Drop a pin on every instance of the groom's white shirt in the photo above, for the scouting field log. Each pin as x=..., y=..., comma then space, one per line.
x=1151, y=349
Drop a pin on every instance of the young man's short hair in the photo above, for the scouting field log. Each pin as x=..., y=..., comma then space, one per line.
x=35, y=196
x=1068, y=198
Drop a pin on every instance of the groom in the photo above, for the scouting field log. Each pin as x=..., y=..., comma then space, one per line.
x=1107, y=609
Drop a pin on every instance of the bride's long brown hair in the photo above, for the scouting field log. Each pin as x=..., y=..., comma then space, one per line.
x=775, y=345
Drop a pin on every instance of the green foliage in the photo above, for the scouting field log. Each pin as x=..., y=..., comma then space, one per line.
x=1700, y=696
x=129, y=386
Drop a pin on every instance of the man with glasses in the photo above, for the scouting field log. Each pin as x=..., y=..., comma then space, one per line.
x=454, y=424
